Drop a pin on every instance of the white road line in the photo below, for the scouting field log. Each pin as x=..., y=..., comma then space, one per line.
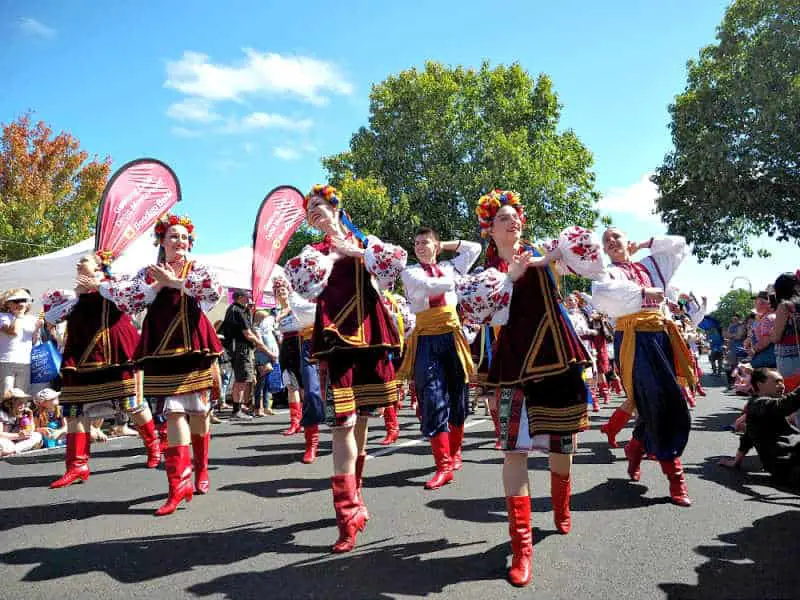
x=417, y=442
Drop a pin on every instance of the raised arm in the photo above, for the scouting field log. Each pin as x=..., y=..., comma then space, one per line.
x=466, y=254
x=131, y=295
x=384, y=261
x=58, y=304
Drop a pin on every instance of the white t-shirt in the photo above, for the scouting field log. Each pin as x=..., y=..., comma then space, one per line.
x=17, y=349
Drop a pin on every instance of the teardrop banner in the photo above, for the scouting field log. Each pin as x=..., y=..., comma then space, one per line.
x=133, y=200
x=278, y=218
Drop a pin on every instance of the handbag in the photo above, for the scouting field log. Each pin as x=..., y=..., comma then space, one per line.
x=45, y=362
x=275, y=379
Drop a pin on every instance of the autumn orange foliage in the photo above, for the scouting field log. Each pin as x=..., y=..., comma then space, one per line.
x=49, y=189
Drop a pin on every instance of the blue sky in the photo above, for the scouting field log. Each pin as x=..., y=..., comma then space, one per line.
x=241, y=96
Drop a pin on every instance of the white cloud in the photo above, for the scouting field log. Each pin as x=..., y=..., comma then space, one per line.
x=262, y=120
x=248, y=147
x=260, y=73
x=638, y=200
x=185, y=132
x=192, y=109
x=285, y=153
x=36, y=28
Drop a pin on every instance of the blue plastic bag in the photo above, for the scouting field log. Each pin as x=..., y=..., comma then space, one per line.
x=275, y=379
x=45, y=362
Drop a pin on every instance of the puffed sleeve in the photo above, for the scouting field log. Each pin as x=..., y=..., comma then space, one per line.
x=409, y=318
x=202, y=284
x=467, y=254
x=698, y=313
x=303, y=310
x=384, y=261
x=308, y=272
x=58, y=304
x=131, y=294
x=418, y=285
x=666, y=255
x=485, y=298
x=616, y=297
x=580, y=253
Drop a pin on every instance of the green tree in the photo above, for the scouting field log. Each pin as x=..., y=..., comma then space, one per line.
x=737, y=301
x=49, y=190
x=441, y=137
x=735, y=168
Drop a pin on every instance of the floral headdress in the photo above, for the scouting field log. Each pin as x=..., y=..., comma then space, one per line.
x=489, y=204
x=327, y=192
x=169, y=220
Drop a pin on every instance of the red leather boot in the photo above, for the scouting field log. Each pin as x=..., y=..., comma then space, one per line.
x=560, y=492
x=148, y=434
x=312, y=443
x=77, y=460
x=351, y=515
x=519, y=529
x=634, y=452
x=605, y=396
x=295, y=414
x=392, y=425
x=200, y=462
x=678, y=492
x=595, y=395
x=163, y=440
x=179, y=475
x=456, y=440
x=498, y=444
x=616, y=386
x=688, y=395
x=615, y=424
x=361, y=459
x=440, y=444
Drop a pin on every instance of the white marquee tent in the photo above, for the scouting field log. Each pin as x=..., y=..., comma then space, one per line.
x=57, y=269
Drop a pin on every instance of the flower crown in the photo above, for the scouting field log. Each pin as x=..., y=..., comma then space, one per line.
x=327, y=192
x=490, y=203
x=169, y=220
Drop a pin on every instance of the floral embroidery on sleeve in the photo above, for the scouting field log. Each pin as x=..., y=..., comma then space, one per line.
x=308, y=272
x=130, y=294
x=485, y=298
x=58, y=304
x=384, y=261
x=202, y=284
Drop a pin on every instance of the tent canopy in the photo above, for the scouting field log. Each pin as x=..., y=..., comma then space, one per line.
x=57, y=269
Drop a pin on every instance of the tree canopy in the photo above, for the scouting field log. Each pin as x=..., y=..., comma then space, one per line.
x=738, y=302
x=441, y=137
x=49, y=190
x=735, y=169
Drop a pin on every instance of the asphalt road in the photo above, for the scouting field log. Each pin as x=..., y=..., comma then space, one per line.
x=266, y=528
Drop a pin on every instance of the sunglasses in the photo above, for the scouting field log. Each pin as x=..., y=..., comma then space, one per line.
x=23, y=301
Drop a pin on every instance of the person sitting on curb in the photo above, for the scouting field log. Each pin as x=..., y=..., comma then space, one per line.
x=768, y=428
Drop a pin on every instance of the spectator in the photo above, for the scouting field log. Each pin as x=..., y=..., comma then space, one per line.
x=716, y=346
x=264, y=324
x=17, y=429
x=768, y=429
x=241, y=342
x=50, y=423
x=742, y=379
x=763, y=349
x=735, y=336
x=18, y=333
x=786, y=333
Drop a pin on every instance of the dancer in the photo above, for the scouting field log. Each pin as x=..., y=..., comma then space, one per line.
x=353, y=338
x=405, y=322
x=177, y=352
x=537, y=367
x=97, y=371
x=296, y=323
x=651, y=354
x=291, y=350
x=438, y=355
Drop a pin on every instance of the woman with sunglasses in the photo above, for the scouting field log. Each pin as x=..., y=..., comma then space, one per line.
x=18, y=333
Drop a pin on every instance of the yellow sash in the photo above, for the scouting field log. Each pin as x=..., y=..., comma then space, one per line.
x=652, y=322
x=401, y=328
x=307, y=333
x=437, y=321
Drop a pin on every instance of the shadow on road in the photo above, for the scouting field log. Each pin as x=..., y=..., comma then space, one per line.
x=744, y=481
x=48, y=514
x=10, y=484
x=368, y=572
x=282, y=488
x=759, y=561
x=614, y=494
x=145, y=558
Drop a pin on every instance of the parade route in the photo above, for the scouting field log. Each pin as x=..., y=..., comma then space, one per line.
x=266, y=528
